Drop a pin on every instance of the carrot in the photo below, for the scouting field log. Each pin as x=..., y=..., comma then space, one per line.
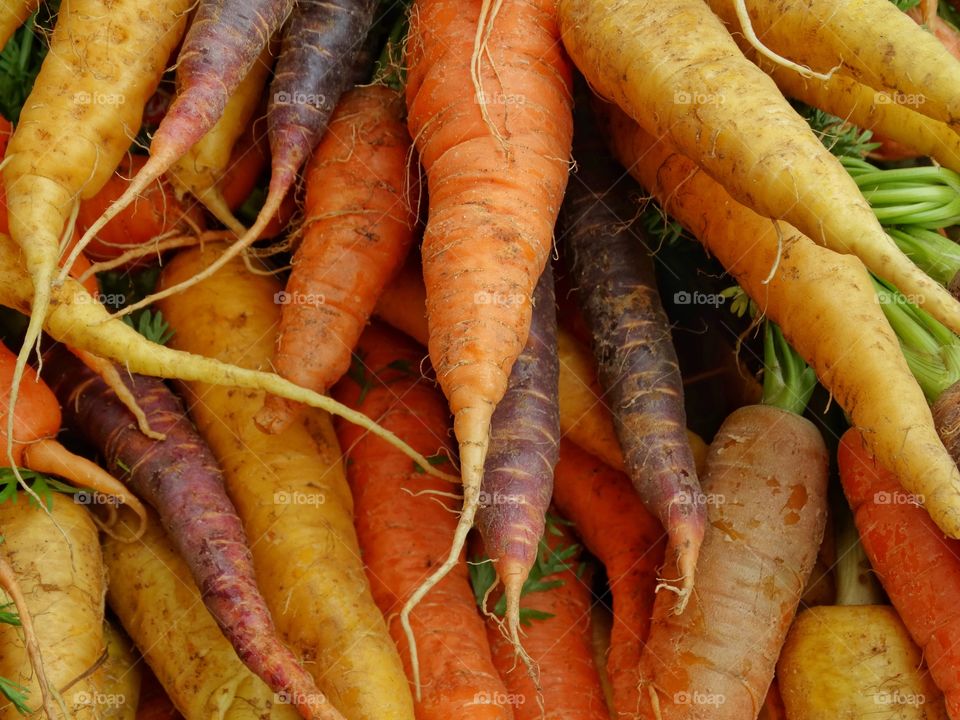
x=106, y=57
x=119, y=677
x=714, y=106
x=76, y=320
x=290, y=491
x=864, y=107
x=156, y=213
x=179, y=477
x=873, y=41
x=153, y=594
x=524, y=445
x=855, y=662
x=638, y=367
x=13, y=14
x=61, y=576
x=791, y=279
x=488, y=97
x=36, y=423
x=766, y=481
x=320, y=43
x=204, y=164
x=584, y=418
x=612, y=522
x=224, y=41
x=557, y=637
x=359, y=226
x=915, y=563
x=404, y=520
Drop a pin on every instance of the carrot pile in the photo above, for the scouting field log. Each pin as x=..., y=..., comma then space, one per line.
x=479, y=359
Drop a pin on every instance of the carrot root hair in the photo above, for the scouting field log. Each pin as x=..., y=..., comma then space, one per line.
x=151, y=171
x=109, y=374
x=472, y=427
x=270, y=208
x=8, y=581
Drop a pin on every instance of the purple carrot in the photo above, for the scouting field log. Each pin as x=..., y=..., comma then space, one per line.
x=524, y=448
x=224, y=41
x=180, y=478
x=637, y=363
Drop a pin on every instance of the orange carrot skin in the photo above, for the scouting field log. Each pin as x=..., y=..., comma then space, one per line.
x=359, y=227
x=524, y=443
x=615, y=526
x=155, y=212
x=37, y=411
x=766, y=487
x=403, y=535
x=917, y=565
x=493, y=202
x=561, y=646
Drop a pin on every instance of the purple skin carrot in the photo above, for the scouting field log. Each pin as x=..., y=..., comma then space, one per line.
x=318, y=58
x=224, y=40
x=637, y=363
x=524, y=448
x=180, y=478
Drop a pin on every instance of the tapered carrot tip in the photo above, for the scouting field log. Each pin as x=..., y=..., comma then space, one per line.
x=276, y=415
x=685, y=536
x=513, y=574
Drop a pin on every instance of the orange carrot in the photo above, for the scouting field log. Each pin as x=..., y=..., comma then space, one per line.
x=918, y=566
x=615, y=526
x=558, y=641
x=36, y=423
x=359, y=227
x=155, y=212
x=489, y=102
x=404, y=520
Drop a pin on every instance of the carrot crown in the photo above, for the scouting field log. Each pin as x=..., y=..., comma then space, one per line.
x=932, y=351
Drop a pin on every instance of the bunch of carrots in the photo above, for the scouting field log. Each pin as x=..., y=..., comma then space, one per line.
x=376, y=361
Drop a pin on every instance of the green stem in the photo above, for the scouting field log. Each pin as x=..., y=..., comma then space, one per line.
x=788, y=381
x=931, y=350
x=936, y=255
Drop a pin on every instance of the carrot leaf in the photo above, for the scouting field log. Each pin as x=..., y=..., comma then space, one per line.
x=837, y=135
x=433, y=460
x=20, y=63
x=43, y=485
x=16, y=694
x=358, y=373
x=788, y=382
x=543, y=576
